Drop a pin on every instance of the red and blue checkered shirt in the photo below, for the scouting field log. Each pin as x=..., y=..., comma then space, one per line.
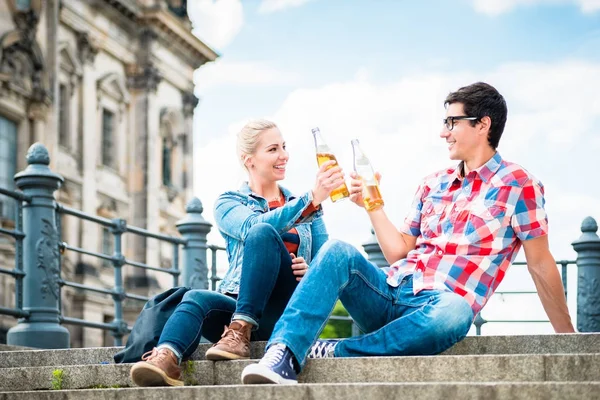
x=469, y=229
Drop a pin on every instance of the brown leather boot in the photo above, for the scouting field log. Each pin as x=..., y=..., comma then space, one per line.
x=158, y=368
x=234, y=343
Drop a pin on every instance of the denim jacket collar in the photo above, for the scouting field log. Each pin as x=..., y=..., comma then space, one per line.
x=245, y=189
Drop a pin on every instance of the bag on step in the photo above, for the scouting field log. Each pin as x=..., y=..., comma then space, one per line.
x=149, y=325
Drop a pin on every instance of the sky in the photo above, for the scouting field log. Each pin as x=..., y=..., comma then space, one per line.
x=379, y=71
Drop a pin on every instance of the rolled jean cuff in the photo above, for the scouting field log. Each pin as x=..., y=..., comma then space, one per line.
x=245, y=318
x=172, y=348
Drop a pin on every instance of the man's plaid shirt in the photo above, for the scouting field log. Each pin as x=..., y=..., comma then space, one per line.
x=470, y=228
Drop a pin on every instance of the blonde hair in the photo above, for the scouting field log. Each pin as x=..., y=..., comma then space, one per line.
x=248, y=137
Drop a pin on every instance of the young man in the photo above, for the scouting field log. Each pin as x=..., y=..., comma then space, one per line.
x=464, y=229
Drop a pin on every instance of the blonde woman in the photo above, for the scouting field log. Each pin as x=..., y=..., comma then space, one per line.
x=271, y=237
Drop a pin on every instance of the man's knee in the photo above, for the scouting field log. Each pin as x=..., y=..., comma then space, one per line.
x=455, y=314
x=338, y=248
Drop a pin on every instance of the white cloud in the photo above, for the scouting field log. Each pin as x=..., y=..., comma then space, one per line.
x=551, y=131
x=269, y=6
x=496, y=7
x=216, y=22
x=247, y=73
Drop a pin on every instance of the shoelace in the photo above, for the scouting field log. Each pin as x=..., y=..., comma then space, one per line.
x=322, y=349
x=154, y=355
x=273, y=356
x=231, y=336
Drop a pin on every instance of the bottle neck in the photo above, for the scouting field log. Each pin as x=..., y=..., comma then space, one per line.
x=320, y=145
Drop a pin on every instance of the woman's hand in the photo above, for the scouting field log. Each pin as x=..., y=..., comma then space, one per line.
x=299, y=266
x=357, y=186
x=329, y=177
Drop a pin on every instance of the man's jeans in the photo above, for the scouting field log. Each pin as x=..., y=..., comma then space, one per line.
x=266, y=285
x=396, y=321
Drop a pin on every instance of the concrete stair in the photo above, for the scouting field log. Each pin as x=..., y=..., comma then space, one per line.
x=511, y=367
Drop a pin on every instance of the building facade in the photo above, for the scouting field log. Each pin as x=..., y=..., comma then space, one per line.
x=107, y=87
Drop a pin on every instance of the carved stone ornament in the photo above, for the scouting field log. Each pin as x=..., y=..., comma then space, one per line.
x=198, y=277
x=189, y=101
x=86, y=49
x=22, y=66
x=146, y=77
x=48, y=259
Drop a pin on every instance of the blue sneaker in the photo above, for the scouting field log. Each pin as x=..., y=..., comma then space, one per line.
x=323, y=348
x=277, y=366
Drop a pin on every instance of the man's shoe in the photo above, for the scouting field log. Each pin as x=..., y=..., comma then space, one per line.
x=234, y=343
x=158, y=368
x=323, y=348
x=277, y=366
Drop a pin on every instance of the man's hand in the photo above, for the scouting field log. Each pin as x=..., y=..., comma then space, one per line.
x=299, y=266
x=357, y=186
x=543, y=270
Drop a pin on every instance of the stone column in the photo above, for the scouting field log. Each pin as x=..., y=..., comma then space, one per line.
x=89, y=150
x=143, y=79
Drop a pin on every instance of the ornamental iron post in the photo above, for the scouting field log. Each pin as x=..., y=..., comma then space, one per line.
x=194, y=229
x=120, y=326
x=588, y=277
x=41, y=257
x=374, y=252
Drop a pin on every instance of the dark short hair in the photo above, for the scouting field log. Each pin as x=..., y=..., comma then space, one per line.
x=481, y=100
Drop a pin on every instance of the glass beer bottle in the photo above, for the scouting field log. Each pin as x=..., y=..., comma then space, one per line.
x=371, y=193
x=324, y=153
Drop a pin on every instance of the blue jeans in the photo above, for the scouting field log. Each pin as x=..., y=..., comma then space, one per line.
x=266, y=285
x=395, y=321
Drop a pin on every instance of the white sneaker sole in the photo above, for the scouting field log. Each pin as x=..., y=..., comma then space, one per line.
x=255, y=374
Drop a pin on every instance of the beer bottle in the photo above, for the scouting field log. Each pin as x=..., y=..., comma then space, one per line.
x=371, y=194
x=324, y=154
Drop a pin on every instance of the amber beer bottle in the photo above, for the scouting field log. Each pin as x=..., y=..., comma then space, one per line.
x=371, y=194
x=324, y=153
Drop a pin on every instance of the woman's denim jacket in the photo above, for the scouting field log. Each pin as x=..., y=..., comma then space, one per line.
x=237, y=211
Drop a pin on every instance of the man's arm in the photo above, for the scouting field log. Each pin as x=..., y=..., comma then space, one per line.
x=543, y=270
x=394, y=244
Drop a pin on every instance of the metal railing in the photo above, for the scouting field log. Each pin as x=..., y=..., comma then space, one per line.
x=480, y=320
x=39, y=249
x=17, y=272
x=117, y=227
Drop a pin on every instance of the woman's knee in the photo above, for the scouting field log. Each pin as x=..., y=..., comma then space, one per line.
x=261, y=231
x=206, y=300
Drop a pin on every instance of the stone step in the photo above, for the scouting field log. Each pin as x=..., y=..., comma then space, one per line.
x=472, y=345
x=480, y=368
x=346, y=391
x=7, y=347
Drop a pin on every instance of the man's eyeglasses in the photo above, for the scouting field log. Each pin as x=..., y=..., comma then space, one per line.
x=449, y=121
